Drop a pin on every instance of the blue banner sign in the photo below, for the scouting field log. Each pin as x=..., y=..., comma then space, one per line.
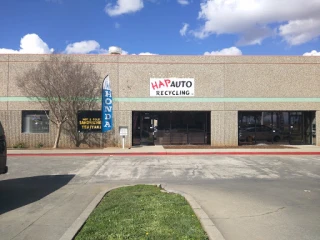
x=106, y=105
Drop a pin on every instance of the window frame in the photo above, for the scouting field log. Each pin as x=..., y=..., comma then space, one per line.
x=38, y=114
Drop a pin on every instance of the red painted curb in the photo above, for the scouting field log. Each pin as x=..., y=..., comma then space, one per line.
x=160, y=154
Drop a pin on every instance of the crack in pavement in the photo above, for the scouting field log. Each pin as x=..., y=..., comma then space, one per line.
x=257, y=215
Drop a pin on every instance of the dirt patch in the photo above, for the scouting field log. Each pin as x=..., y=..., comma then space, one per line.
x=213, y=147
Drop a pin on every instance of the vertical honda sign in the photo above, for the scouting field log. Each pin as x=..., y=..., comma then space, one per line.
x=106, y=105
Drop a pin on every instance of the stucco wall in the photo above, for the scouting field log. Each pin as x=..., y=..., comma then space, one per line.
x=223, y=85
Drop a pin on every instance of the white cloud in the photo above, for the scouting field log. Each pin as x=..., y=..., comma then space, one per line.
x=254, y=20
x=255, y=37
x=91, y=46
x=226, y=51
x=33, y=44
x=312, y=53
x=147, y=53
x=7, y=51
x=30, y=43
x=123, y=7
x=300, y=31
x=184, y=29
x=116, y=48
x=84, y=47
x=143, y=53
x=183, y=2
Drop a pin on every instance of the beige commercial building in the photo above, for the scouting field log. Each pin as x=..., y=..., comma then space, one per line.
x=213, y=100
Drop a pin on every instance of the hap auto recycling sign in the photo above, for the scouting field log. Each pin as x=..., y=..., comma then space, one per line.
x=171, y=87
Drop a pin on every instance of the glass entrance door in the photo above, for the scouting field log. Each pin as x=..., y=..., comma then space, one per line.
x=144, y=126
x=296, y=128
x=174, y=127
x=147, y=129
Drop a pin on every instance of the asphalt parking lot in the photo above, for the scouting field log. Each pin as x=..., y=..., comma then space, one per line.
x=247, y=197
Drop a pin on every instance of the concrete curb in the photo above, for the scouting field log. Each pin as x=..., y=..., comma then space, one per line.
x=208, y=226
x=159, y=154
x=78, y=223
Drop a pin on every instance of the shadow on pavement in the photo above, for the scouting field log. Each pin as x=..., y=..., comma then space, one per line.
x=15, y=193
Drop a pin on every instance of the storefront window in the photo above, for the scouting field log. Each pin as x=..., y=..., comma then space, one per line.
x=174, y=127
x=179, y=124
x=276, y=127
x=35, y=122
x=163, y=127
x=197, y=128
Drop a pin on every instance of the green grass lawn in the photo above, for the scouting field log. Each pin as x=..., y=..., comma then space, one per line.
x=142, y=212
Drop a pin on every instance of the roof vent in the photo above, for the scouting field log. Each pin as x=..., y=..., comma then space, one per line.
x=115, y=50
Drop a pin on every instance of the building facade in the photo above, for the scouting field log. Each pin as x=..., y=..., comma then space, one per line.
x=169, y=100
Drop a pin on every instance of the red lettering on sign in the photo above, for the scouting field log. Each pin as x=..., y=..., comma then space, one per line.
x=161, y=84
x=154, y=85
x=167, y=81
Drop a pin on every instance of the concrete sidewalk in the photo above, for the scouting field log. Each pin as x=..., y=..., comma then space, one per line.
x=160, y=150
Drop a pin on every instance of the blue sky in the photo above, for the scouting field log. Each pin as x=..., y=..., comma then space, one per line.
x=165, y=27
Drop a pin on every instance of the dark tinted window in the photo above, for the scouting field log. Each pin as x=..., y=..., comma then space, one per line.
x=266, y=129
x=252, y=129
x=1, y=130
x=35, y=122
